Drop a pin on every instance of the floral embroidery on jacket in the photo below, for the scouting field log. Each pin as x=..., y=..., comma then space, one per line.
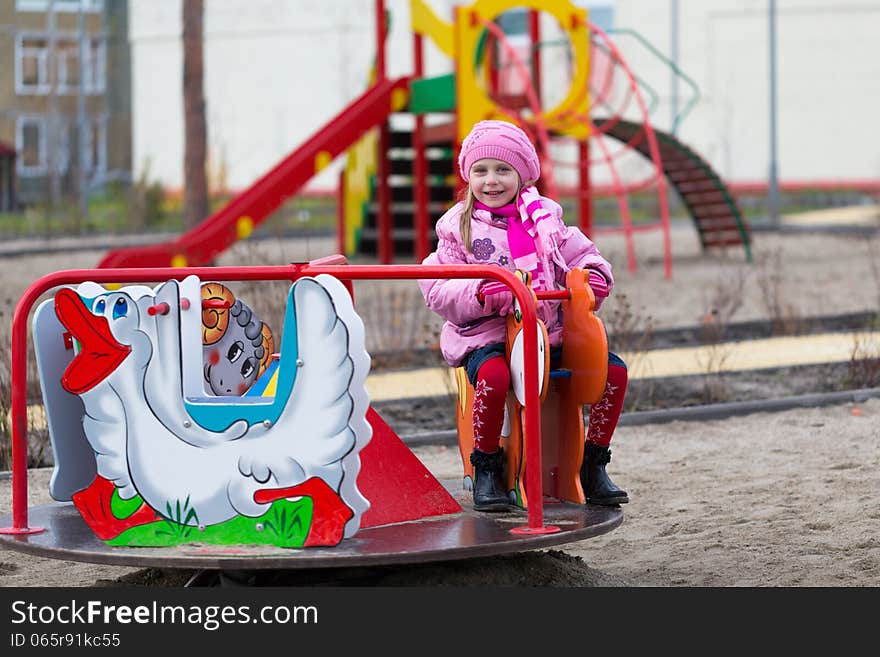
x=483, y=248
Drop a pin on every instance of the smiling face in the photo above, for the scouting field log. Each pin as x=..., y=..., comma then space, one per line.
x=493, y=182
x=236, y=344
x=232, y=364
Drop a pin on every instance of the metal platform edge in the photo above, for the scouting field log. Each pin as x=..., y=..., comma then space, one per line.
x=464, y=535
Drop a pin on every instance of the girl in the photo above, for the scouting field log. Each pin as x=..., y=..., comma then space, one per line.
x=503, y=220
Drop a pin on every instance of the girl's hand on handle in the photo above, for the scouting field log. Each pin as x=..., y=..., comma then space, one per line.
x=496, y=298
x=599, y=286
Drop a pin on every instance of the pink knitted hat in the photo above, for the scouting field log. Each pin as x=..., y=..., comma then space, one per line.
x=503, y=141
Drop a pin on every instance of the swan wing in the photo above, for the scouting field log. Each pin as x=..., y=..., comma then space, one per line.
x=105, y=428
x=323, y=425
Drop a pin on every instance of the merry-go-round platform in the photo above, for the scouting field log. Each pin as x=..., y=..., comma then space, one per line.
x=463, y=535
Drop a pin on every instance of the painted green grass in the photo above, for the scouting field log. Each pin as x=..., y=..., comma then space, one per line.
x=123, y=508
x=285, y=524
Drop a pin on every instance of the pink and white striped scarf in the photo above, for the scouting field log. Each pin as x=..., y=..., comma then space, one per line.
x=530, y=226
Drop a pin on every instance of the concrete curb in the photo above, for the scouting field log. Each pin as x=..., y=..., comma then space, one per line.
x=36, y=246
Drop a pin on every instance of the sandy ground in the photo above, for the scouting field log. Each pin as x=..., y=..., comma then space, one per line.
x=786, y=499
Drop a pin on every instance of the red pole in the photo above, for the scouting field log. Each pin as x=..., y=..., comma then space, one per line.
x=384, y=247
x=340, y=214
x=420, y=189
x=490, y=58
x=532, y=410
x=535, y=34
x=19, y=416
x=585, y=194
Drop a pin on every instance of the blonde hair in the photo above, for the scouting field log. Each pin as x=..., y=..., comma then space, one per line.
x=464, y=222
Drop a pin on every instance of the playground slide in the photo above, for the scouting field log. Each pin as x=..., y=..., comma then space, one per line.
x=712, y=207
x=201, y=244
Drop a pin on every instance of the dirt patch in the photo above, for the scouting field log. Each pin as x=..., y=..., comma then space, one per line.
x=539, y=568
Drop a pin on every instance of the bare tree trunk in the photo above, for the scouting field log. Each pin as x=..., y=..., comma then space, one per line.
x=195, y=183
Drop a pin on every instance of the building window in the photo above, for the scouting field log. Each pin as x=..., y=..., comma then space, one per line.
x=90, y=6
x=32, y=70
x=33, y=64
x=35, y=143
x=94, y=68
x=96, y=146
x=30, y=142
x=67, y=53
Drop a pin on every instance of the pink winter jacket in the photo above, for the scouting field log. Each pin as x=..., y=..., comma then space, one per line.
x=469, y=324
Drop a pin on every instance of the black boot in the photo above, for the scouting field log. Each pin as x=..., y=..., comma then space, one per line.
x=598, y=487
x=489, y=493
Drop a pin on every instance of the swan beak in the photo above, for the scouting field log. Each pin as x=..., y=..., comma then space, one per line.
x=99, y=354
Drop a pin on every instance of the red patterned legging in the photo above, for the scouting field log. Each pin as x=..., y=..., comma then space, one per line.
x=605, y=413
x=490, y=395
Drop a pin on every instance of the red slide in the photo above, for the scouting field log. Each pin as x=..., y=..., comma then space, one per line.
x=201, y=244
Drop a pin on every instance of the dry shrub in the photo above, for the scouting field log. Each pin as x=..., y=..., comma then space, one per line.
x=5, y=386
x=783, y=316
x=629, y=331
x=268, y=299
x=724, y=299
x=5, y=427
x=38, y=445
x=863, y=369
x=630, y=334
x=874, y=263
x=449, y=381
x=396, y=319
x=713, y=360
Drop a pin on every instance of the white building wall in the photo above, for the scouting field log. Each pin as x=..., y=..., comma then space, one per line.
x=828, y=77
x=277, y=71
